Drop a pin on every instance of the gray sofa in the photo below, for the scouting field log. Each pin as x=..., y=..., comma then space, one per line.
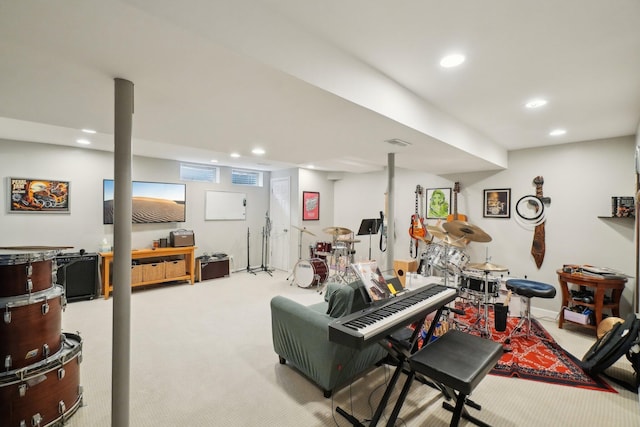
x=301, y=338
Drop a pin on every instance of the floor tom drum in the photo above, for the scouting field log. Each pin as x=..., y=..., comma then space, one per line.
x=25, y=272
x=31, y=328
x=46, y=393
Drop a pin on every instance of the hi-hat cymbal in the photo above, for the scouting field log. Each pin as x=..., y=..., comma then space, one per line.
x=452, y=241
x=466, y=230
x=486, y=266
x=337, y=230
x=436, y=232
x=304, y=230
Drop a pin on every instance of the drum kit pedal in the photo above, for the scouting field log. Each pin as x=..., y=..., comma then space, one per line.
x=40, y=372
x=336, y=255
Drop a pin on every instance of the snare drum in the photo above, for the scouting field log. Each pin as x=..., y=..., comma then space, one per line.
x=45, y=393
x=31, y=328
x=25, y=272
x=472, y=281
x=310, y=272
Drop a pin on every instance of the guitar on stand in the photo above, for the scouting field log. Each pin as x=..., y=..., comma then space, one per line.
x=455, y=216
x=417, y=231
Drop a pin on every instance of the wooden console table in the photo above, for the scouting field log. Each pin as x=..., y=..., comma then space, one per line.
x=189, y=258
x=600, y=285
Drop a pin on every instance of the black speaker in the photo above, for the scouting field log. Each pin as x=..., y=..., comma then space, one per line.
x=78, y=274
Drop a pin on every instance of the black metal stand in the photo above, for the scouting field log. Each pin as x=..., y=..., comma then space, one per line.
x=264, y=266
x=369, y=227
x=249, y=269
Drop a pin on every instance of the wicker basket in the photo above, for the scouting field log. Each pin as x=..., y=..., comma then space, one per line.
x=153, y=271
x=174, y=269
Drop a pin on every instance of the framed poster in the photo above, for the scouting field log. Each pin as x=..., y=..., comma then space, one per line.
x=438, y=203
x=310, y=205
x=497, y=203
x=38, y=195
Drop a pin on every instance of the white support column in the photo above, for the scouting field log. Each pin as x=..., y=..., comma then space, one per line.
x=121, y=353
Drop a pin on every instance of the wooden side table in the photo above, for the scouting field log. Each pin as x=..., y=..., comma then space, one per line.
x=600, y=287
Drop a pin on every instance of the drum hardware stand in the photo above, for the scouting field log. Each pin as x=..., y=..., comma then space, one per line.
x=249, y=269
x=266, y=231
x=293, y=273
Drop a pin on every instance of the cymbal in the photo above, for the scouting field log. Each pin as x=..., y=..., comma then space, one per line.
x=486, y=266
x=436, y=232
x=457, y=242
x=349, y=240
x=337, y=230
x=304, y=230
x=466, y=230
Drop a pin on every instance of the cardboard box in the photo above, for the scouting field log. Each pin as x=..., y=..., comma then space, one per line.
x=583, y=319
x=175, y=268
x=153, y=271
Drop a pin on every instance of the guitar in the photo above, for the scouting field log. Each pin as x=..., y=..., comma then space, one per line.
x=455, y=216
x=417, y=230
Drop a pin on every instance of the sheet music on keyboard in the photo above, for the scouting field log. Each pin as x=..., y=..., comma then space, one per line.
x=374, y=323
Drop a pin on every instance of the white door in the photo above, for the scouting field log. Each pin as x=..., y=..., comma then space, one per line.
x=280, y=206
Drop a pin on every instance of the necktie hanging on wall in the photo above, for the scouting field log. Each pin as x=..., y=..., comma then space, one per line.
x=538, y=247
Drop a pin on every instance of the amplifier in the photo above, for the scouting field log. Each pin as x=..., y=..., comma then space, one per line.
x=78, y=274
x=181, y=238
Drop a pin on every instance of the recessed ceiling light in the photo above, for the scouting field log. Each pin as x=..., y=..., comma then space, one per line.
x=258, y=151
x=83, y=141
x=234, y=155
x=536, y=103
x=557, y=132
x=452, y=60
x=213, y=161
x=88, y=131
x=311, y=167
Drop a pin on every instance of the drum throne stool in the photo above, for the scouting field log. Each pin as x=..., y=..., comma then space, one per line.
x=457, y=362
x=527, y=289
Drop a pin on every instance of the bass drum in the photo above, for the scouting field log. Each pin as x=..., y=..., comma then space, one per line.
x=46, y=393
x=25, y=272
x=310, y=272
x=31, y=328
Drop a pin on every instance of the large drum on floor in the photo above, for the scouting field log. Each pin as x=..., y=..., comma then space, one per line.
x=30, y=328
x=310, y=272
x=46, y=393
x=25, y=272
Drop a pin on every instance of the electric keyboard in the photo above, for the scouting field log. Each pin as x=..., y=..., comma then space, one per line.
x=374, y=323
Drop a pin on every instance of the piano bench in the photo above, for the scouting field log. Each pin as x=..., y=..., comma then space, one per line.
x=458, y=361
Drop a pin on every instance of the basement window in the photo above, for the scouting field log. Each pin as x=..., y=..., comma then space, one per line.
x=246, y=177
x=199, y=173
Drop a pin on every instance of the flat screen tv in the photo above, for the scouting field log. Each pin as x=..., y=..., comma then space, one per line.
x=152, y=202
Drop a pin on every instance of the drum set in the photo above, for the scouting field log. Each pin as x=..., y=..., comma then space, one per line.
x=476, y=282
x=40, y=372
x=328, y=260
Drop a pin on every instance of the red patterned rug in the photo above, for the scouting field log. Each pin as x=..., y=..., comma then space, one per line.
x=537, y=357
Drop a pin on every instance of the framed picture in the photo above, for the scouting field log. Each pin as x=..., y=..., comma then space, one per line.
x=310, y=206
x=497, y=203
x=438, y=203
x=38, y=195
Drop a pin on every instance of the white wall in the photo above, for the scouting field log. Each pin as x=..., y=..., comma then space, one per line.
x=82, y=228
x=580, y=180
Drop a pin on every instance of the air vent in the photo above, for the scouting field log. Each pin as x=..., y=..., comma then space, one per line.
x=398, y=142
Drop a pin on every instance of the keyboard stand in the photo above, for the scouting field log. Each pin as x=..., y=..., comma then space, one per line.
x=399, y=350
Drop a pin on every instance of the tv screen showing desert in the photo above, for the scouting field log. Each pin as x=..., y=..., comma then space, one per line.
x=152, y=202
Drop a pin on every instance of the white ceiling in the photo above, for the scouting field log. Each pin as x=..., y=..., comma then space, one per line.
x=322, y=82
